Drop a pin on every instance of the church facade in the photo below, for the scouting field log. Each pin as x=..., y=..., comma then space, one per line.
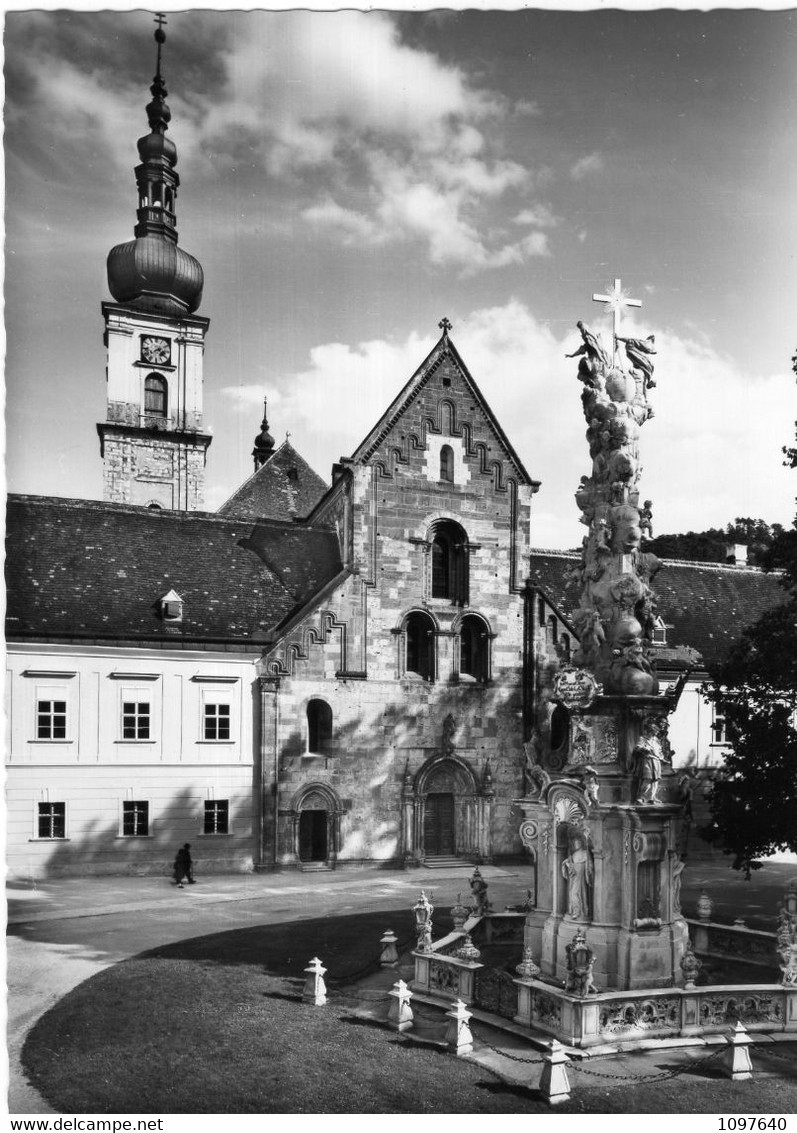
x=315, y=676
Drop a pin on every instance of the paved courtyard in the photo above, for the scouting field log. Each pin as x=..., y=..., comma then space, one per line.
x=65, y=931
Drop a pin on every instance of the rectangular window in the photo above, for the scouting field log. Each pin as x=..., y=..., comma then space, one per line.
x=718, y=735
x=135, y=819
x=51, y=719
x=52, y=820
x=216, y=722
x=135, y=720
x=217, y=817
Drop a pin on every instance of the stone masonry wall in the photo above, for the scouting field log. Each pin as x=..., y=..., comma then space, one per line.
x=390, y=728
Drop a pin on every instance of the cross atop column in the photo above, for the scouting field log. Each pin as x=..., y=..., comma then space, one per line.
x=444, y=325
x=160, y=20
x=616, y=302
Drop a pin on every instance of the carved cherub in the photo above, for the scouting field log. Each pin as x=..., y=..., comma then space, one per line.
x=646, y=519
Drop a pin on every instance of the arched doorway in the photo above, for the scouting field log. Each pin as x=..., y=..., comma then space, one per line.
x=316, y=826
x=446, y=813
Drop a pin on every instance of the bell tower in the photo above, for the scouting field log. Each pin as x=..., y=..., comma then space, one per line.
x=152, y=441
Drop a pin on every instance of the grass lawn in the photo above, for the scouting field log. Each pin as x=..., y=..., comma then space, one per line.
x=215, y=1025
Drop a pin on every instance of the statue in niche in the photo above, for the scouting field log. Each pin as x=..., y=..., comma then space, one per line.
x=638, y=351
x=646, y=768
x=449, y=731
x=677, y=870
x=577, y=872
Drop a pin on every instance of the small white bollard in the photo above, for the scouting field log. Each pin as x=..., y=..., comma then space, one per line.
x=458, y=1036
x=736, y=1059
x=389, y=957
x=399, y=1014
x=554, y=1083
x=315, y=990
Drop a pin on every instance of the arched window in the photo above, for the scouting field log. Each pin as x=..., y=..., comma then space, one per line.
x=420, y=646
x=155, y=396
x=450, y=562
x=447, y=463
x=319, y=727
x=552, y=629
x=541, y=611
x=564, y=647
x=474, y=645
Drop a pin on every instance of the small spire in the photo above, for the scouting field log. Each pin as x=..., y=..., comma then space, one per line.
x=158, y=112
x=264, y=442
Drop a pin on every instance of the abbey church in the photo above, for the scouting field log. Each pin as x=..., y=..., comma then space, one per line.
x=319, y=674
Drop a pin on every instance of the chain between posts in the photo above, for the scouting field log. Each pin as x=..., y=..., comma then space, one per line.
x=661, y=1077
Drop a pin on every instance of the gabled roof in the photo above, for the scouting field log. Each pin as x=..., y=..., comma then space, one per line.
x=83, y=569
x=443, y=350
x=704, y=605
x=271, y=492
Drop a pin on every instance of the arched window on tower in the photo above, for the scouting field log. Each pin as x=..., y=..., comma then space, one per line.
x=474, y=648
x=319, y=727
x=450, y=562
x=447, y=463
x=155, y=396
x=420, y=643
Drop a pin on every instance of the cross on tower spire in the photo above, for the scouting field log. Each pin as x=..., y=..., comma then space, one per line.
x=616, y=301
x=444, y=325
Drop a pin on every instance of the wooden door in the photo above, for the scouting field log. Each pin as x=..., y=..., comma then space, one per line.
x=313, y=836
x=438, y=828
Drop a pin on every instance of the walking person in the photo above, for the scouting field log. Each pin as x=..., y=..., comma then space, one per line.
x=183, y=866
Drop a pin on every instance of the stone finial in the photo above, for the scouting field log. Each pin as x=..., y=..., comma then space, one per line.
x=690, y=966
x=554, y=1083
x=458, y=1034
x=315, y=990
x=423, y=909
x=705, y=906
x=527, y=969
x=389, y=957
x=736, y=1061
x=399, y=1015
x=468, y=950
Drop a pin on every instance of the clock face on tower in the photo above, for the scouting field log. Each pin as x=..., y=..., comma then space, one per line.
x=156, y=351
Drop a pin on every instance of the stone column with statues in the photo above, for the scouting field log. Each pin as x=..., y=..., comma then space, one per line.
x=605, y=801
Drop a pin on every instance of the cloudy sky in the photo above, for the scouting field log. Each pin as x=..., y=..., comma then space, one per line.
x=349, y=178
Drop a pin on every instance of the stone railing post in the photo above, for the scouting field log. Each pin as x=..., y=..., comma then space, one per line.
x=315, y=990
x=399, y=1014
x=554, y=1083
x=458, y=1036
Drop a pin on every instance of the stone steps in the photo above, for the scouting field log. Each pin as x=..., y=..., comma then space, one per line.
x=447, y=862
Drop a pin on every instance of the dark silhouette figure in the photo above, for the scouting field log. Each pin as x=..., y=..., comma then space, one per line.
x=184, y=867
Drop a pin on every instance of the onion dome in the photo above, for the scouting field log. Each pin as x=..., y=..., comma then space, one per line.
x=151, y=273
x=264, y=442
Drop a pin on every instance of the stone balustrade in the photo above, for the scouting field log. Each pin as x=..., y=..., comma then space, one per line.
x=630, y=1016
x=734, y=942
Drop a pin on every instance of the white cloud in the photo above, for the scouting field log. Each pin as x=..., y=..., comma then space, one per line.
x=710, y=453
x=586, y=166
x=343, y=100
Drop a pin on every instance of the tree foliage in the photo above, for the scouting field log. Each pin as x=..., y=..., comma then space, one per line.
x=754, y=799
x=710, y=546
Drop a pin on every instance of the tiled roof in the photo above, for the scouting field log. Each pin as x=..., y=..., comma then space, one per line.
x=704, y=605
x=285, y=487
x=86, y=569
